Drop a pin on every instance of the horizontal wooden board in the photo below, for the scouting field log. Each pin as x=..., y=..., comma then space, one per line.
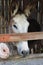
x=21, y=36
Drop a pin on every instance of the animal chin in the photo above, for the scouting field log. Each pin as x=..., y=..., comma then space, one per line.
x=23, y=47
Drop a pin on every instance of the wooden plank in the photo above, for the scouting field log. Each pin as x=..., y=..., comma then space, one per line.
x=30, y=56
x=21, y=36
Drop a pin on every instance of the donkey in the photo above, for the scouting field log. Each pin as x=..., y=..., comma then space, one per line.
x=21, y=23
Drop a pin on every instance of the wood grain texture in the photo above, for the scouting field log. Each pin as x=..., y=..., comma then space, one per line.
x=17, y=57
x=21, y=36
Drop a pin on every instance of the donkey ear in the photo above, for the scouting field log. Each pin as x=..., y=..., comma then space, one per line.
x=15, y=7
x=27, y=10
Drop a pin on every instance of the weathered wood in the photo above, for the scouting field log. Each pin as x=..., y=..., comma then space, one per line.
x=21, y=36
x=30, y=56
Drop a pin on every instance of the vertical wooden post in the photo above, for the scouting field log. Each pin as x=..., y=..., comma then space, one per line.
x=3, y=4
x=9, y=16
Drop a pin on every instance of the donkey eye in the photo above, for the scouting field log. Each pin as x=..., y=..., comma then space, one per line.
x=15, y=26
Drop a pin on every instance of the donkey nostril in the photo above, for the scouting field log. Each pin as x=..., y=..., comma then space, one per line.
x=24, y=53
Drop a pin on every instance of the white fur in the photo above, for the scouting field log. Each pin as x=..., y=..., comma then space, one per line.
x=22, y=25
x=22, y=46
x=4, y=54
x=21, y=22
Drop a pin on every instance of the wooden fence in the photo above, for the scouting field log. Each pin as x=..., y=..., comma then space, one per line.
x=15, y=37
x=4, y=30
